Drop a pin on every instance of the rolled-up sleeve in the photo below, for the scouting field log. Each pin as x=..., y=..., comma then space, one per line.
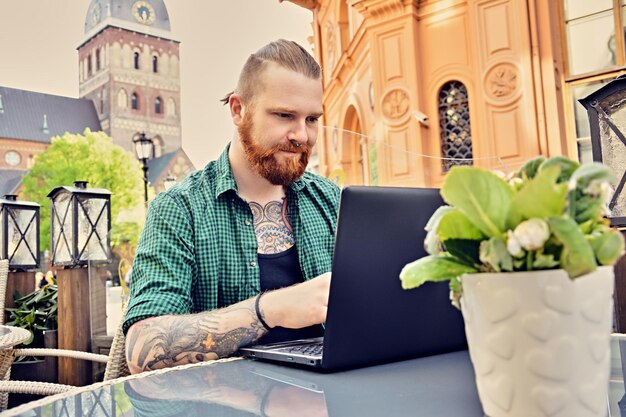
x=163, y=267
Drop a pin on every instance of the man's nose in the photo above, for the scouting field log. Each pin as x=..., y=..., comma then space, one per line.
x=298, y=132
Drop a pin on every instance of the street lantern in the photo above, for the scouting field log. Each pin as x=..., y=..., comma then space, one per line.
x=19, y=231
x=606, y=109
x=80, y=220
x=144, y=149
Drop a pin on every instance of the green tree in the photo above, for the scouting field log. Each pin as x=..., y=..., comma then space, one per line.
x=90, y=157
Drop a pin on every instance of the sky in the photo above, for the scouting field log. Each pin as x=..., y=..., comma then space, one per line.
x=38, y=40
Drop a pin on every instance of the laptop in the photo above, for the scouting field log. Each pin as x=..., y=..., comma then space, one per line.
x=370, y=318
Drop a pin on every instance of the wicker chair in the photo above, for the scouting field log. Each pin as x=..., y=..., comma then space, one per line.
x=116, y=365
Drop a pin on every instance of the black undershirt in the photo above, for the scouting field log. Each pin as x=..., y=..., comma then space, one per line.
x=281, y=270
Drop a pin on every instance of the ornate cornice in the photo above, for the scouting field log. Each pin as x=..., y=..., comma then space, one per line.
x=307, y=4
x=382, y=9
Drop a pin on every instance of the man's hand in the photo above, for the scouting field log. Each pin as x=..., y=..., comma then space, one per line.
x=298, y=306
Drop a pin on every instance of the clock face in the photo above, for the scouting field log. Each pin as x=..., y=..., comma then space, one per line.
x=143, y=12
x=12, y=158
x=95, y=14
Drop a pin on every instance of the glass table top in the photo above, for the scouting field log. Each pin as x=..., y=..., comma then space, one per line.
x=434, y=386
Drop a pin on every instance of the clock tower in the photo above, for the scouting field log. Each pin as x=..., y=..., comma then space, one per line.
x=129, y=67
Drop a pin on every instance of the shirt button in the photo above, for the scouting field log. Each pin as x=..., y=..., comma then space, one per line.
x=253, y=264
x=247, y=222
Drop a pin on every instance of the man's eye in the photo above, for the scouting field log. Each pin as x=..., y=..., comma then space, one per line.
x=312, y=119
x=283, y=115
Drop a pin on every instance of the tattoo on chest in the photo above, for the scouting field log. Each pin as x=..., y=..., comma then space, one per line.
x=271, y=226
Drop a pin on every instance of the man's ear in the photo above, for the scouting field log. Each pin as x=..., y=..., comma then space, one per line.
x=236, y=108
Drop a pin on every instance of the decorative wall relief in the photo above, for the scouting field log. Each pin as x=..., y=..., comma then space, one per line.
x=502, y=81
x=395, y=104
x=331, y=45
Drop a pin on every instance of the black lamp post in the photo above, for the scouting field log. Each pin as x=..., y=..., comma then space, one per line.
x=144, y=149
x=606, y=109
x=19, y=230
x=80, y=221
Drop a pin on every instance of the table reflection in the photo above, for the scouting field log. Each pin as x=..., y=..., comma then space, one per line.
x=428, y=387
x=437, y=386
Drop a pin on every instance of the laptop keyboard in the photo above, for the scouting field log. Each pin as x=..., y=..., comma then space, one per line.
x=310, y=349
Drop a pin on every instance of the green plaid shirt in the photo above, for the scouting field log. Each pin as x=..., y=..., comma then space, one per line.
x=198, y=250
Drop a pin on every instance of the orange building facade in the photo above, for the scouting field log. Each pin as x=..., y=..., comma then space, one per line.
x=492, y=81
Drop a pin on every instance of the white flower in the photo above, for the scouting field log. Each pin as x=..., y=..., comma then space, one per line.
x=513, y=245
x=594, y=188
x=606, y=192
x=532, y=234
x=455, y=299
x=602, y=190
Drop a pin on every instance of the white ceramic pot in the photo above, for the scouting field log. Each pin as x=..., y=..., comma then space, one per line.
x=539, y=341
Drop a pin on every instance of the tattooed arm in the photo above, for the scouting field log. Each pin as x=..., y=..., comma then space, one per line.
x=165, y=341
x=161, y=342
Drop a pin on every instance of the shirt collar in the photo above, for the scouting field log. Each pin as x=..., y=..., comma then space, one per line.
x=225, y=181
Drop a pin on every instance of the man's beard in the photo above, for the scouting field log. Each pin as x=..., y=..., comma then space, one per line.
x=264, y=160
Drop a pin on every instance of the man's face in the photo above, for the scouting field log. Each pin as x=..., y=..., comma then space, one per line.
x=279, y=129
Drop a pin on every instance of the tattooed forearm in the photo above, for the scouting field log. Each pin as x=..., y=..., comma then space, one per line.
x=175, y=340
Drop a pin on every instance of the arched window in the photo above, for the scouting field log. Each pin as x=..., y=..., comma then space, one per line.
x=454, y=122
x=155, y=64
x=122, y=99
x=89, y=69
x=98, y=59
x=158, y=146
x=134, y=101
x=170, y=109
x=136, y=60
x=157, y=105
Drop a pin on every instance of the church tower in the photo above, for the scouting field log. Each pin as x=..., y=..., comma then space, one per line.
x=129, y=67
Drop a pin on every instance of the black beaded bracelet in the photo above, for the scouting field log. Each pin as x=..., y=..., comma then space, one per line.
x=258, y=312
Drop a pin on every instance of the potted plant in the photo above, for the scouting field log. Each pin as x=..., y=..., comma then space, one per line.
x=529, y=259
x=37, y=313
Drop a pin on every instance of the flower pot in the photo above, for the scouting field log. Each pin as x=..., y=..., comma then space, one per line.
x=539, y=341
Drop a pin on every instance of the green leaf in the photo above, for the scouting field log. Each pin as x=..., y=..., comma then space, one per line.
x=455, y=285
x=586, y=207
x=481, y=195
x=432, y=268
x=530, y=167
x=455, y=225
x=583, y=207
x=608, y=246
x=545, y=261
x=493, y=252
x=465, y=250
x=577, y=257
x=541, y=197
x=589, y=172
x=566, y=167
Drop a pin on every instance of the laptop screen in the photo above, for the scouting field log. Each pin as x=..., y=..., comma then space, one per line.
x=371, y=318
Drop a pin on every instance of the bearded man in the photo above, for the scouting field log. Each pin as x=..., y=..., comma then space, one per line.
x=240, y=252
